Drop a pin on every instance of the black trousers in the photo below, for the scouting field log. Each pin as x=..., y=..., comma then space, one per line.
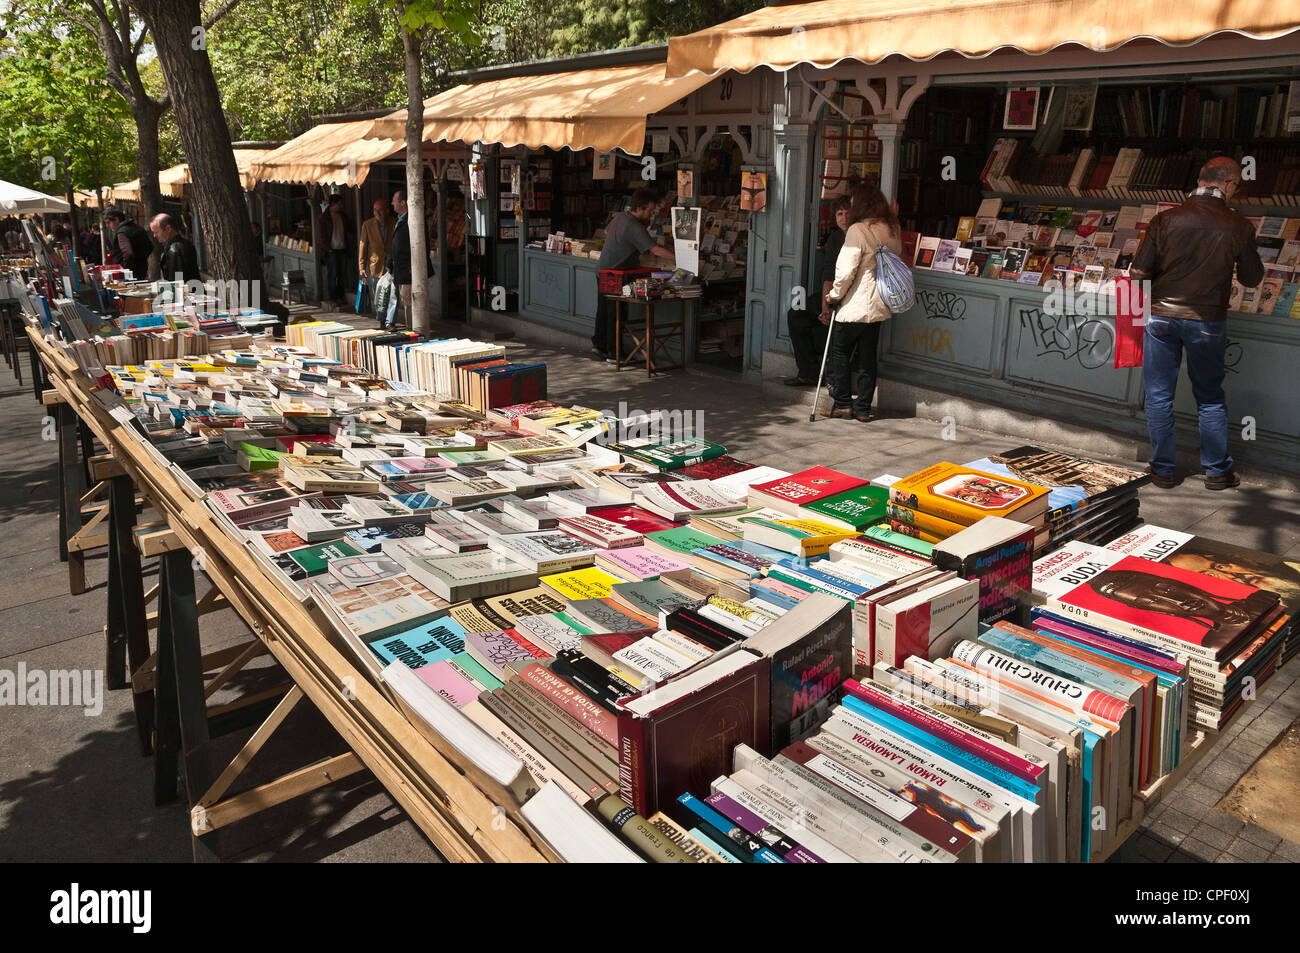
x=808, y=340
x=842, y=364
x=602, y=337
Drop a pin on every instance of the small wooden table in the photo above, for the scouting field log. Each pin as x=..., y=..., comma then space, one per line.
x=651, y=339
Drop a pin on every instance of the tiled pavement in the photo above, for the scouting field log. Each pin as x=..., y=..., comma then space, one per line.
x=62, y=776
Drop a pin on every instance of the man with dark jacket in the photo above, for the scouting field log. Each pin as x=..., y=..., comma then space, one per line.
x=399, y=263
x=132, y=246
x=180, y=259
x=333, y=231
x=1188, y=255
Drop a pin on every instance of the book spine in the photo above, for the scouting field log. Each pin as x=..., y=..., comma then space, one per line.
x=789, y=850
x=895, y=813
x=634, y=760
x=923, y=521
x=727, y=833
x=584, y=748
x=538, y=766
x=573, y=703
x=640, y=834
x=966, y=739
x=537, y=742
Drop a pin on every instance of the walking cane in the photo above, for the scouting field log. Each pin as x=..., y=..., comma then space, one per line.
x=817, y=392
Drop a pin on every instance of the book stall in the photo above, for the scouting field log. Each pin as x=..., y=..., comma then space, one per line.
x=557, y=634
x=558, y=153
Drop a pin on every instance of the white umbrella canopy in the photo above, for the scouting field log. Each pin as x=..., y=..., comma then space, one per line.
x=17, y=199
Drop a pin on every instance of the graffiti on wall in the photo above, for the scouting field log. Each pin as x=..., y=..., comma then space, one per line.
x=941, y=305
x=1085, y=339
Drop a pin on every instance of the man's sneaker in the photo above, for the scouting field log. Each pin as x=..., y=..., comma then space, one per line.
x=1224, y=482
x=1161, y=480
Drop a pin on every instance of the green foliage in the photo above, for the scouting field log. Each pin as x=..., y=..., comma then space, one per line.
x=56, y=105
x=586, y=26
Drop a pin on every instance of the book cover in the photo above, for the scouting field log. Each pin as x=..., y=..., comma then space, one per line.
x=448, y=682
x=854, y=509
x=589, y=583
x=1204, y=614
x=964, y=494
x=314, y=560
x=998, y=553
x=802, y=488
x=680, y=736
x=422, y=645
x=1073, y=482
x=637, y=562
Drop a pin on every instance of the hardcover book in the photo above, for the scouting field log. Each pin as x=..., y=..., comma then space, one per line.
x=998, y=553
x=802, y=488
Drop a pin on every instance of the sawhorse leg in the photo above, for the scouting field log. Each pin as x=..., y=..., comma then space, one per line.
x=87, y=450
x=127, y=642
x=40, y=383
x=71, y=477
x=182, y=717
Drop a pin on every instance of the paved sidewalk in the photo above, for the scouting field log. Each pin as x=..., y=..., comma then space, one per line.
x=75, y=788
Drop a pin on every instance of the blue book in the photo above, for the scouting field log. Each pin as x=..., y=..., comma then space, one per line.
x=728, y=834
x=422, y=645
x=706, y=841
x=989, y=772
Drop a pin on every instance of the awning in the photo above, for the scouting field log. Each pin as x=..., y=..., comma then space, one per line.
x=123, y=192
x=172, y=182
x=602, y=109
x=18, y=199
x=244, y=159
x=826, y=32
x=335, y=153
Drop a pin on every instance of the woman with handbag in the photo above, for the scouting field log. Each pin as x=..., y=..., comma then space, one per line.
x=859, y=307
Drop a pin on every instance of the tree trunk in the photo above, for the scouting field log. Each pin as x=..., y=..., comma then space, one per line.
x=146, y=113
x=415, y=182
x=176, y=29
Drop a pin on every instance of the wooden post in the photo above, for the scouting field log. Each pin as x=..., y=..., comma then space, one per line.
x=128, y=630
x=182, y=710
x=71, y=482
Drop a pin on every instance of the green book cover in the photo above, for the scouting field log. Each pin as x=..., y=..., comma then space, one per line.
x=315, y=559
x=469, y=457
x=477, y=671
x=674, y=454
x=260, y=458
x=899, y=541
x=859, y=508
x=573, y=623
x=684, y=540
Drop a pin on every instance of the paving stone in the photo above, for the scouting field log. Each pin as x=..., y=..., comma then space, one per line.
x=1169, y=835
x=1179, y=820
x=1224, y=822
x=1290, y=850
x=1200, y=850
x=1261, y=837
x=1201, y=794
x=1212, y=836
x=1248, y=851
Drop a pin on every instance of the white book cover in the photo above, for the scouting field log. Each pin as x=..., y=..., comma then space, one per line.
x=736, y=486
x=1075, y=562
x=545, y=551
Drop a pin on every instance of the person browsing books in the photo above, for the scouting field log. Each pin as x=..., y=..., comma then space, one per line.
x=332, y=230
x=808, y=324
x=626, y=239
x=376, y=239
x=1189, y=254
x=132, y=246
x=859, y=309
x=180, y=259
x=399, y=263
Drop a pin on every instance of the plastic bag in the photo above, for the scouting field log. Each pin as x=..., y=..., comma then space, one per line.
x=385, y=293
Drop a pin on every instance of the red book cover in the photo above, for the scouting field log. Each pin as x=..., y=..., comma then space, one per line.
x=1201, y=610
x=536, y=651
x=910, y=241
x=688, y=742
x=809, y=486
x=634, y=518
x=714, y=469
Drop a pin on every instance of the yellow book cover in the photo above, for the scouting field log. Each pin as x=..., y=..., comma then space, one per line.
x=588, y=583
x=965, y=495
x=965, y=225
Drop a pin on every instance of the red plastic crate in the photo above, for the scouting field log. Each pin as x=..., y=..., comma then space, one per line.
x=610, y=281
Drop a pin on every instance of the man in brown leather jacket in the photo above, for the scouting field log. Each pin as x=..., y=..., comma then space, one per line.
x=1188, y=255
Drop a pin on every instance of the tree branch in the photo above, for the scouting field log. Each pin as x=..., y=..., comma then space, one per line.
x=217, y=14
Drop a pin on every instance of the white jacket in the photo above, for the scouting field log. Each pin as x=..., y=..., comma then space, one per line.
x=854, y=289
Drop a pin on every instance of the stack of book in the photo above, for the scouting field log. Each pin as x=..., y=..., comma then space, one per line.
x=943, y=499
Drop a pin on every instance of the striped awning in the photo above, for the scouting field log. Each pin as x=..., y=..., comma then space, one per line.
x=830, y=31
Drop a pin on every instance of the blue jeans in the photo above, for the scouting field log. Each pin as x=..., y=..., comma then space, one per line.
x=1163, y=344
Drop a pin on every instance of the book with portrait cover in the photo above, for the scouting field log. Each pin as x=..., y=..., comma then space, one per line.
x=1172, y=608
x=965, y=495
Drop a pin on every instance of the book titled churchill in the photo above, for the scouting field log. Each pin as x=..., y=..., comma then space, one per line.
x=1173, y=608
x=997, y=552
